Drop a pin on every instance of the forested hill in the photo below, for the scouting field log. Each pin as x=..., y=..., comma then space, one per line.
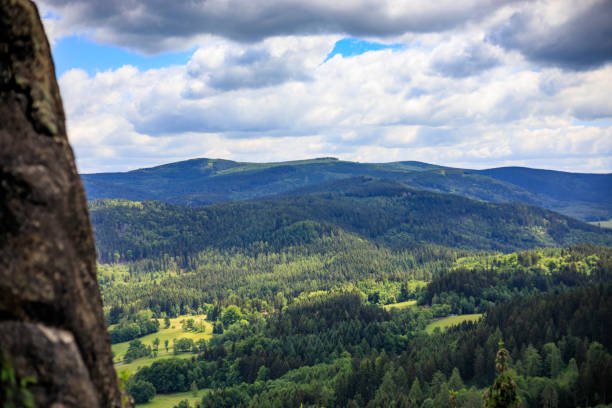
x=382, y=211
x=205, y=181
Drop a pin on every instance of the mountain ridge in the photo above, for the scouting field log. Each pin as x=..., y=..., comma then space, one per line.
x=382, y=211
x=203, y=181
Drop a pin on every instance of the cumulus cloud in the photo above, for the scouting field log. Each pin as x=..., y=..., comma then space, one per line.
x=461, y=61
x=477, y=83
x=378, y=106
x=158, y=25
x=580, y=39
x=223, y=66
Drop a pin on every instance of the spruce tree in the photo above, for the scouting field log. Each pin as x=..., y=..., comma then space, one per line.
x=504, y=392
x=416, y=394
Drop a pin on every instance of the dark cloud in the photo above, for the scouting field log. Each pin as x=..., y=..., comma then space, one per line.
x=583, y=42
x=471, y=61
x=158, y=25
x=253, y=68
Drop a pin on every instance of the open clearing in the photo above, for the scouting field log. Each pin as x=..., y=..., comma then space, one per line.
x=147, y=361
x=170, y=400
x=175, y=331
x=451, y=321
x=401, y=305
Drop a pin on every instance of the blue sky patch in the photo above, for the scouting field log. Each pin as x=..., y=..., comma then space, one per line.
x=350, y=47
x=601, y=123
x=80, y=52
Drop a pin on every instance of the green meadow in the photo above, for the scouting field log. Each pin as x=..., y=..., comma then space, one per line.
x=147, y=361
x=171, y=400
x=451, y=321
x=400, y=305
x=175, y=331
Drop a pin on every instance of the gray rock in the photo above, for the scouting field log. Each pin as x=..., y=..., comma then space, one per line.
x=47, y=255
x=46, y=353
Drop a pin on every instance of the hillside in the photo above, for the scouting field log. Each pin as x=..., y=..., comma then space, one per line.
x=206, y=181
x=571, y=193
x=382, y=211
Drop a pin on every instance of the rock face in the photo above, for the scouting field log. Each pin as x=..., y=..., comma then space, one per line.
x=51, y=322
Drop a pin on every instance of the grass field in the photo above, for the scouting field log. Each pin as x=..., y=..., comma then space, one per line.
x=401, y=305
x=451, y=321
x=175, y=331
x=146, y=361
x=602, y=224
x=170, y=400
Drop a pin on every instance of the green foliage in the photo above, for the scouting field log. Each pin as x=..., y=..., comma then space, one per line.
x=293, y=287
x=14, y=391
x=184, y=345
x=188, y=324
x=167, y=375
x=455, y=382
x=415, y=395
x=141, y=391
x=266, y=281
x=504, y=392
x=231, y=315
x=183, y=404
x=336, y=349
x=478, y=281
x=131, y=327
x=381, y=211
x=533, y=362
x=205, y=181
x=136, y=350
x=442, y=324
x=123, y=377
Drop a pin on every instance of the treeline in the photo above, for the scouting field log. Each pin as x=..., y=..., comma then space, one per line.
x=269, y=280
x=467, y=282
x=130, y=326
x=335, y=349
x=481, y=281
x=382, y=211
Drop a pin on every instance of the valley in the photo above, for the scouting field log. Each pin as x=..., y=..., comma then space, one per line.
x=356, y=291
x=139, y=271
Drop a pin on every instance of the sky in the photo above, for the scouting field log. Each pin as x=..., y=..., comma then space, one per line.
x=472, y=84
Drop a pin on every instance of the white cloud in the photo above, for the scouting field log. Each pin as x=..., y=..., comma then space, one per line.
x=465, y=90
x=378, y=106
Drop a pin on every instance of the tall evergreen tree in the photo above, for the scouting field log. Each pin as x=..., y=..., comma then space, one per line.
x=504, y=391
x=416, y=394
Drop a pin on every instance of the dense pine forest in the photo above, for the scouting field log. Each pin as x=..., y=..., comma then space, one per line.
x=340, y=347
x=382, y=211
x=329, y=296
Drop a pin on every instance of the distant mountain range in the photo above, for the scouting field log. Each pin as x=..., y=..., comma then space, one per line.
x=200, y=182
x=384, y=212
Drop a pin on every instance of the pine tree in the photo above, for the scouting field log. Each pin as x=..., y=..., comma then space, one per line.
x=416, y=394
x=533, y=362
x=443, y=397
x=504, y=392
x=455, y=382
x=549, y=396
